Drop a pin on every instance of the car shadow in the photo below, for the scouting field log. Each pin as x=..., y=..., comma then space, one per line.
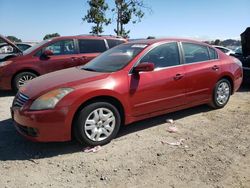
x=155, y=121
x=14, y=147
x=6, y=93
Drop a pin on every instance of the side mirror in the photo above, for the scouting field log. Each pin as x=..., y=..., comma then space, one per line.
x=144, y=67
x=48, y=53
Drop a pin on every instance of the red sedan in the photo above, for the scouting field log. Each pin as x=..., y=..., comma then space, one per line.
x=130, y=82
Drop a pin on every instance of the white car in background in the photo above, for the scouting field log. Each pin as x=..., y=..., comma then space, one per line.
x=225, y=50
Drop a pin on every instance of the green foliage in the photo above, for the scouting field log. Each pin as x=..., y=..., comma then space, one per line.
x=127, y=11
x=217, y=42
x=13, y=39
x=96, y=14
x=48, y=36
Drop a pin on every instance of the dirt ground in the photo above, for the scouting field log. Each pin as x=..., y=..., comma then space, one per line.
x=215, y=153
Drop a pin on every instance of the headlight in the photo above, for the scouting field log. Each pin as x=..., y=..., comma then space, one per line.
x=50, y=99
x=4, y=63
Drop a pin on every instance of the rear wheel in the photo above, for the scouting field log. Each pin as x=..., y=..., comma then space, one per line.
x=221, y=94
x=21, y=79
x=97, y=124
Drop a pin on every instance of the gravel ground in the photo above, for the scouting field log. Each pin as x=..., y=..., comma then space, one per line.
x=215, y=152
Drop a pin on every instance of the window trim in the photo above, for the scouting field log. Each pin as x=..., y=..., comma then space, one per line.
x=153, y=47
x=181, y=53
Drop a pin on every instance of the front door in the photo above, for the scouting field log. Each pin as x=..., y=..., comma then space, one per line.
x=63, y=57
x=161, y=89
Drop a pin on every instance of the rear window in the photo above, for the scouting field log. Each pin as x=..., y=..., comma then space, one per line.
x=212, y=53
x=112, y=43
x=91, y=46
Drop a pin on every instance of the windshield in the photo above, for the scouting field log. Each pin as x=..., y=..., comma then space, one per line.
x=115, y=58
x=238, y=50
x=31, y=49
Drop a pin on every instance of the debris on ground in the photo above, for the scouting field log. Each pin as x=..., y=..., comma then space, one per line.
x=170, y=121
x=172, y=129
x=92, y=149
x=178, y=143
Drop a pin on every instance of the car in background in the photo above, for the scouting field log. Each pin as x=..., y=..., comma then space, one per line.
x=24, y=46
x=7, y=49
x=225, y=50
x=245, y=63
x=18, y=67
x=127, y=83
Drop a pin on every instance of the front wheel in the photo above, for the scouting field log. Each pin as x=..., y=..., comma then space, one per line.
x=21, y=79
x=221, y=94
x=97, y=124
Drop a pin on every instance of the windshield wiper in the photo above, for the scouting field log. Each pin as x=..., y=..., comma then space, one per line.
x=89, y=69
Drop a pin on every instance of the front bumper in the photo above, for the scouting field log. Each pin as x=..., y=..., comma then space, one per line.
x=42, y=126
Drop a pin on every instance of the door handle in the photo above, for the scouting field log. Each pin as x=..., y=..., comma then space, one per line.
x=84, y=57
x=178, y=76
x=74, y=58
x=215, y=67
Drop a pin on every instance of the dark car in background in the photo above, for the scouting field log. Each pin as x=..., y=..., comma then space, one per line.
x=243, y=54
x=18, y=67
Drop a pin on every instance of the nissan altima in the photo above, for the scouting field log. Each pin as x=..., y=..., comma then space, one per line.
x=127, y=83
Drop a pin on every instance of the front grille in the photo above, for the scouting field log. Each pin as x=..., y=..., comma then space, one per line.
x=20, y=100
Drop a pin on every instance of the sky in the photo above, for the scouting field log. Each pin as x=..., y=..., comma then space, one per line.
x=31, y=20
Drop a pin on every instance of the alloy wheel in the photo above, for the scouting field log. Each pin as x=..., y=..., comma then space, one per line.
x=100, y=124
x=223, y=93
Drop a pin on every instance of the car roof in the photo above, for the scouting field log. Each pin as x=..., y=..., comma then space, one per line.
x=153, y=41
x=90, y=37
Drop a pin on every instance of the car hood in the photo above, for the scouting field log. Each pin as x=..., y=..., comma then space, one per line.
x=10, y=43
x=64, y=78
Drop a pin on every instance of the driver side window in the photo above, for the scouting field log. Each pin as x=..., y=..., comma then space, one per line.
x=63, y=47
x=165, y=55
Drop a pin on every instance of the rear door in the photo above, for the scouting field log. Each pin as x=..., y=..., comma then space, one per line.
x=202, y=70
x=161, y=89
x=64, y=52
x=89, y=49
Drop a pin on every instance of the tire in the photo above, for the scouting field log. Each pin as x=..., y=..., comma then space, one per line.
x=222, y=88
x=22, y=77
x=99, y=129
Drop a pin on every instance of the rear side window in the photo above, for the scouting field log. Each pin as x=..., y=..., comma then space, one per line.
x=212, y=53
x=112, y=43
x=91, y=46
x=195, y=52
x=165, y=55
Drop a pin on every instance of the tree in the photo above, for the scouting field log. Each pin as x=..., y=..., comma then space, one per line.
x=217, y=42
x=13, y=39
x=48, y=36
x=127, y=10
x=96, y=14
